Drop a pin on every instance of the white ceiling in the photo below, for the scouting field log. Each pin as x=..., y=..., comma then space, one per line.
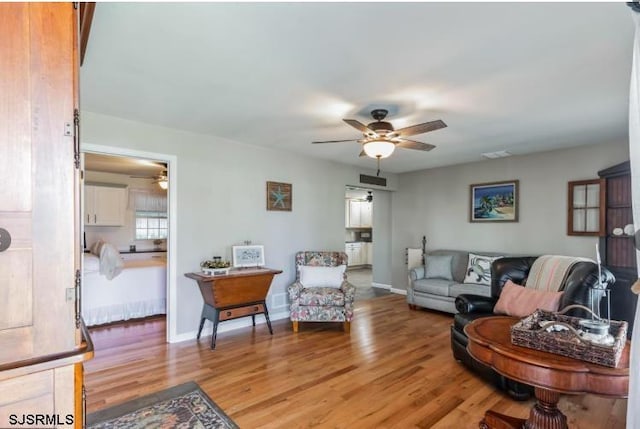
x=123, y=165
x=521, y=77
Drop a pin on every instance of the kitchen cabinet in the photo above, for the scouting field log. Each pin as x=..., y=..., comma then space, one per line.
x=360, y=214
x=359, y=253
x=104, y=205
x=346, y=213
x=354, y=214
x=365, y=214
x=354, y=253
x=42, y=341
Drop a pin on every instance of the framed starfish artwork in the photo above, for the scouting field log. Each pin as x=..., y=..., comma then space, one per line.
x=279, y=196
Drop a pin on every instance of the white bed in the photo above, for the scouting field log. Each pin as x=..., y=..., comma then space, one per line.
x=138, y=291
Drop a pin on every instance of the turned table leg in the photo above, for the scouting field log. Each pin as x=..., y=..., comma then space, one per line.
x=544, y=415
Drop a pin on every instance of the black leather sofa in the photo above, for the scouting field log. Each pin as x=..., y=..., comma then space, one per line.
x=576, y=287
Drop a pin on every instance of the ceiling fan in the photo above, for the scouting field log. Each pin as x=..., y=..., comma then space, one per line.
x=380, y=138
x=161, y=179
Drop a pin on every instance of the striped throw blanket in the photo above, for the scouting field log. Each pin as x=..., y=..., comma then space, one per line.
x=549, y=271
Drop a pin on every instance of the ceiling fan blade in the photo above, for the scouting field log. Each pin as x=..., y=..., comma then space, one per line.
x=361, y=127
x=412, y=144
x=335, y=141
x=420, y=128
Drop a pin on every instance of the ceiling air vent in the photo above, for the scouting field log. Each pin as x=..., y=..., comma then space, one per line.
x=373, y=180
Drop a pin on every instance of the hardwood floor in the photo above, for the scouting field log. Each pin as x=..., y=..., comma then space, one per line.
x=395, y=370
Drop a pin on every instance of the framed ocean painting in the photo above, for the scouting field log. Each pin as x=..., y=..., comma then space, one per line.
x=494, y=202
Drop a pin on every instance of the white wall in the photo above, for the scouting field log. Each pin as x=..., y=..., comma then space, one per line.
x=435, y=203
x=221, y=201
x=119, y=236
x=381, y=237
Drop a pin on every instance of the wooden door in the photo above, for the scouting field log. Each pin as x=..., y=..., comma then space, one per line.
x=39, y=180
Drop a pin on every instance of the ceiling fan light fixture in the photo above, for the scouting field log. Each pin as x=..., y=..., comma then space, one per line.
x=163, y=183
x=379, y=148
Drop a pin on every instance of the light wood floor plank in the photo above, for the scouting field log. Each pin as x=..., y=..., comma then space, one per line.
x=395, y=370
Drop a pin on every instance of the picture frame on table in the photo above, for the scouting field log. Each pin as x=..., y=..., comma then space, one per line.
x=248, y=256
x=494, y=201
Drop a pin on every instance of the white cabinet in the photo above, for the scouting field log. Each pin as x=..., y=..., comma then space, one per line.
x=104, y=205
x=369, y=253
x=365, y=214
x=354, y=253
x=358, y=253
x=359, y=214
x=348, y=249
x=347, y=209
x=354, y=213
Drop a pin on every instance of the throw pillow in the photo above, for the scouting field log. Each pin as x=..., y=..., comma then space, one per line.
x=311, y=276
x=438, y=267
x=96, y=247
x=479, y=269
x=519, y=301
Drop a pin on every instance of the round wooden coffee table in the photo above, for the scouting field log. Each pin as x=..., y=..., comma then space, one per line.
x=550, y=374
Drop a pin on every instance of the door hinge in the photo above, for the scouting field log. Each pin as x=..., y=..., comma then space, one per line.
x=77, y=293
x=84, y=406
x=76, y=137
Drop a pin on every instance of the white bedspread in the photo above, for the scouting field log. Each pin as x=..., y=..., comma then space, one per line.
x=139, y=291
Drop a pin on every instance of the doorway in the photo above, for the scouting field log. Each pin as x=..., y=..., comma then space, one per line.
x=146, y=233
x=359, y=240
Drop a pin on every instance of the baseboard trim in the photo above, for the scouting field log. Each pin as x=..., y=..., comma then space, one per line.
x=230, y=325
x=381, y=286
x=389, y=288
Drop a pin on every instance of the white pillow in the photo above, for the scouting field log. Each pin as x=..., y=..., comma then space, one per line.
x=311, y=276
x=479, y=269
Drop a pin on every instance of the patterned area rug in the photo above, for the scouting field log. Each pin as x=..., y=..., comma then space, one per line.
x=184, y=406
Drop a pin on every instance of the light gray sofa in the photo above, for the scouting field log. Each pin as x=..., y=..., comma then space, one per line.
x=440, y=294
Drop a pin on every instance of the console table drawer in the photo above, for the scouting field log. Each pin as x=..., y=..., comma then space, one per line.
x=233, y=313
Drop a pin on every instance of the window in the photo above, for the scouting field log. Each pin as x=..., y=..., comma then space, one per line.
x=151, y=225
x=586, y=211
x=150, y=209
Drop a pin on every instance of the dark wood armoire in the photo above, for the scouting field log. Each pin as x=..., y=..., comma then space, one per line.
x=617, y=248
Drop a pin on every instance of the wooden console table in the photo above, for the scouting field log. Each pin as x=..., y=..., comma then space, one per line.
x=240, y=293
x=550, y=374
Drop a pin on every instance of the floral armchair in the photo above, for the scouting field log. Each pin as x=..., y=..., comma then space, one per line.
x=321, y=304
